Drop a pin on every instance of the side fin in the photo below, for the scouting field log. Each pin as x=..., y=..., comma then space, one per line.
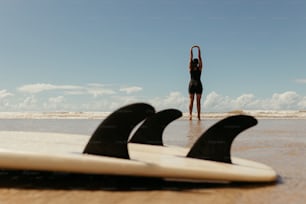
x=215, y=143
x=111, y=136
x=151, y=131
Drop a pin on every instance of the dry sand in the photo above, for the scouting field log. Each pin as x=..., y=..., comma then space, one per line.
x=279, y=143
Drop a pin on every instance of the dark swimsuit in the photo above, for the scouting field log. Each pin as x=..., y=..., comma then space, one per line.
x=195, y=84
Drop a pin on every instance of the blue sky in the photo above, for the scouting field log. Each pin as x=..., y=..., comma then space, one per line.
x=97, y=55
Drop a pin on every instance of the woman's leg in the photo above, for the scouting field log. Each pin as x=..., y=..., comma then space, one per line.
x=191, y=97
x=199, y=105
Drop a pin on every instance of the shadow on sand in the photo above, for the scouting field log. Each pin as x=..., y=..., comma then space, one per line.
x=68, y=181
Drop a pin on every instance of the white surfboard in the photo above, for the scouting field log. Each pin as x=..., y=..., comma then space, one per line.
x=145, y=160
x=102, y=155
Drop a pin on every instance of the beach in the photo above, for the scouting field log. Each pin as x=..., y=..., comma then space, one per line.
x=279, y=142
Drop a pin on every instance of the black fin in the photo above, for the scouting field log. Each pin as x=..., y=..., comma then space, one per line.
x=111, y=136
x=215, y=143
x=151, y=131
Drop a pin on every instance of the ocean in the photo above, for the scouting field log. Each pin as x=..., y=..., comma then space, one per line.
x=180, y=132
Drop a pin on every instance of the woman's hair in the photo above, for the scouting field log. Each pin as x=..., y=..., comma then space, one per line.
x=194, y=62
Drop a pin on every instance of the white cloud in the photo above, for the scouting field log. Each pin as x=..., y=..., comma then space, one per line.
x=57, y=99
x=76, y=92
x=300, y=81
x=173, y=100
x=131, y=89
x=278, y=101
x=40, y=87
x=35, y=88
x=55, y=103
x=216, y=102
x=302, y=103
x=284, y=100
x=5, y=99
x=98, y=91
x=29, y=103
x=91, y=89
x=110, y=97
x=4, y=93
x=244, y=100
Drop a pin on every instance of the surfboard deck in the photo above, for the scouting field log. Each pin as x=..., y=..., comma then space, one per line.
x=109, y=150
x=145, y=160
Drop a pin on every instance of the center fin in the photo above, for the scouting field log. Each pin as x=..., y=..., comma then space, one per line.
x=215, y=143
x=151, y=131
x=111, y=136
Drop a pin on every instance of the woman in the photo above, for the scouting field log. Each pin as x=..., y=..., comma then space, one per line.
x=195, y=84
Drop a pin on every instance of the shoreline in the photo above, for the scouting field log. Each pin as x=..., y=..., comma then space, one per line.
x=259, y=114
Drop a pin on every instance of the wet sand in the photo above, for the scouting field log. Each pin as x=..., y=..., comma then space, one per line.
x=280, y=144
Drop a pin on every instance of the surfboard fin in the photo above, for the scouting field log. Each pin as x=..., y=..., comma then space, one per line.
x=151, y=131
x=111, y=136
x=215, y=143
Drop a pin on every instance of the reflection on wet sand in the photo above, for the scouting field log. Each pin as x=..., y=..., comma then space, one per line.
x=195, y=130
